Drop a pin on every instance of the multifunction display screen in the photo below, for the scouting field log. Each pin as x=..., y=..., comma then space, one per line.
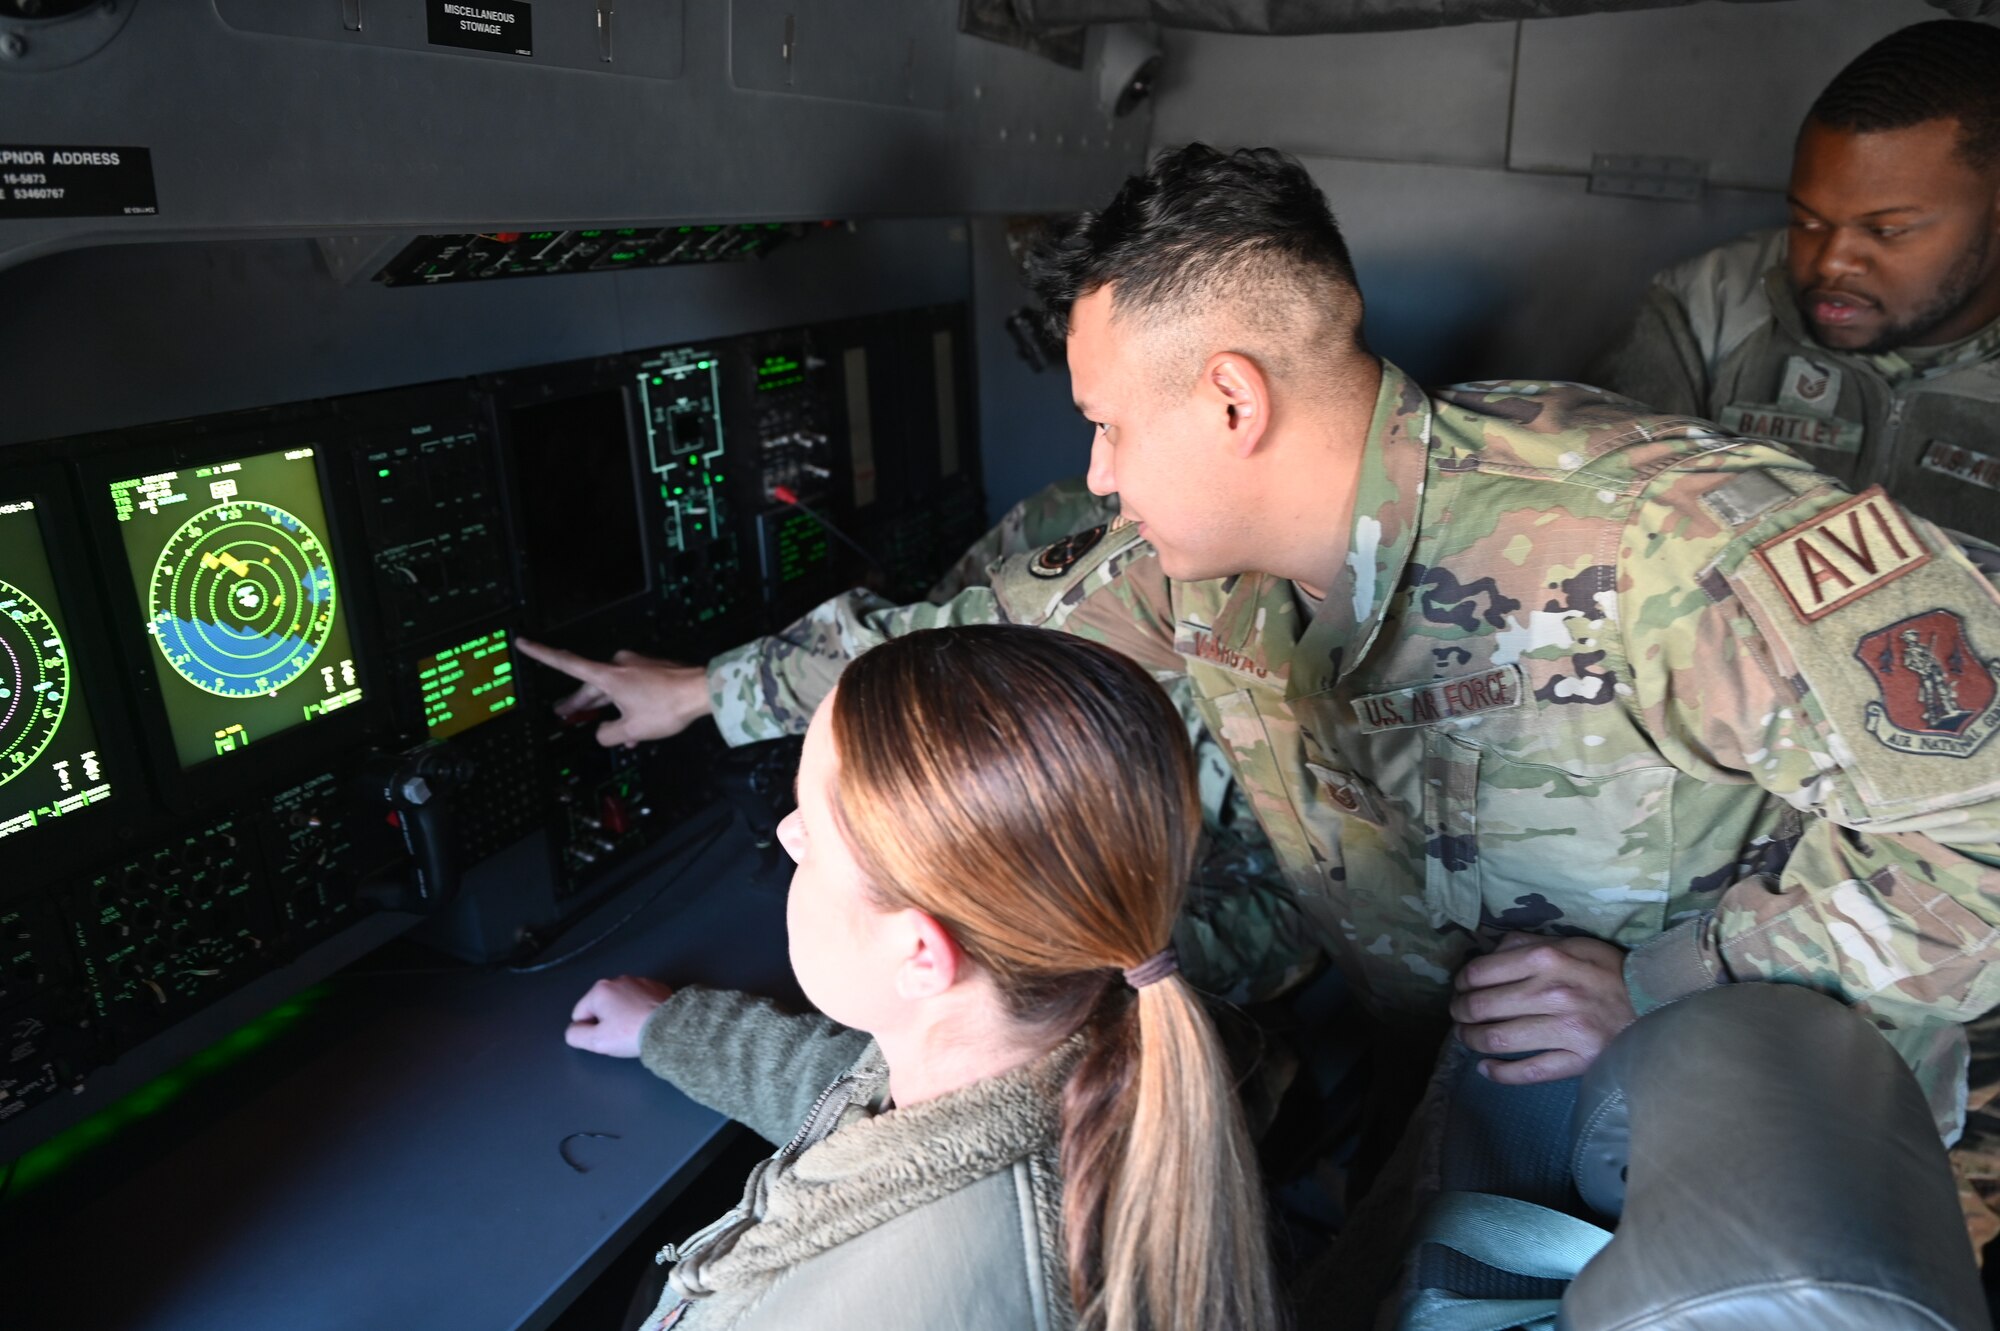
x=467, y=684
x=49, y=765
x=248, y=631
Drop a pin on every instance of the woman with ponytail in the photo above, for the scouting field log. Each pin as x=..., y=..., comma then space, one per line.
x=1032, y=1125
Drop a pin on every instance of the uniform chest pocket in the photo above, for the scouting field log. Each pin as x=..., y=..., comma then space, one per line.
x=1548, y=849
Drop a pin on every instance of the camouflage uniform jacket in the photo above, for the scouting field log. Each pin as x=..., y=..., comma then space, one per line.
x=1593, y=673
x=1720, y=336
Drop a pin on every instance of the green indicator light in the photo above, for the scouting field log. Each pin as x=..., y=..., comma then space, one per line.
x=58, y=1153
x=590, y=235
x=623, y=256
x=704, y=365
x=680, y=489
x=657, y=381
x=383, y=472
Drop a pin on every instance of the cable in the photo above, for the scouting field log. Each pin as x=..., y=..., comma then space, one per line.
x=784, y=494
x=707, y=844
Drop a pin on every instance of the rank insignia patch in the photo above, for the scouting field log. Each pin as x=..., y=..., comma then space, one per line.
x=1809, y=386
x=1060, y=558
x=1937, y=694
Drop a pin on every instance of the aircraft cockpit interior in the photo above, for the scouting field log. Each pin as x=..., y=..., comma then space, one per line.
x=1227, y=665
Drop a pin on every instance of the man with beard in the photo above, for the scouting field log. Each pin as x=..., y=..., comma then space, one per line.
x=1866, y=334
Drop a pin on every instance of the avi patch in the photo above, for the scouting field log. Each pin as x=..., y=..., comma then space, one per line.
x=1056, y=560
x=1938, y=694
x=1447, y=700
x=1889, y=641
x=1841, y=555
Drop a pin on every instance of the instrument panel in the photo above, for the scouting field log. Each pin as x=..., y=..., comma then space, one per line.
x=232, y=647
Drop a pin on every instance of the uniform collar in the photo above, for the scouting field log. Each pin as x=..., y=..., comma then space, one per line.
x=1898, y=367
x=1384, y=531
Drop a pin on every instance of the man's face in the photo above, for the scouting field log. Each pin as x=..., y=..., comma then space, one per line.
x=1153, y=444
x=1892, y=237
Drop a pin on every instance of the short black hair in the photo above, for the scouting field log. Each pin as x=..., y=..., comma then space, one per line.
x=1197, y=218
x=1928, y=71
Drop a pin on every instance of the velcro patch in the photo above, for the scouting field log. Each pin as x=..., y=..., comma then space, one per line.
x=1489, y=690
x=1962, y=463
x=1348, y=793
x=1842, y=554
x=1060, y=558
x=1809, y=387
x=1766, y=421
x=1907, y=679
x=1938, y=694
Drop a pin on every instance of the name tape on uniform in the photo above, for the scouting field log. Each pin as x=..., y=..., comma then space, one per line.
x=1427, y=704
x=1792, y=427
x=1843, y=554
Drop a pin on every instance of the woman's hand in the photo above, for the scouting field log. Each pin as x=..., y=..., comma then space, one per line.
x=607, y=1019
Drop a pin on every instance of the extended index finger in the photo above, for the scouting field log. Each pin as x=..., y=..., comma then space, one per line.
x=555, y=658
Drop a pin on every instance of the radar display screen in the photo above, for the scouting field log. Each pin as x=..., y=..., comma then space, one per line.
x=467, y=684
x=249, y=636
x=49, y=766
x=580, y=504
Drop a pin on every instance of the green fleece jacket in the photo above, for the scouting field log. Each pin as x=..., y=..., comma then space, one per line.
x=943, y=1214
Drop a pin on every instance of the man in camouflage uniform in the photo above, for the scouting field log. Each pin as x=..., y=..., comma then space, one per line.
x=1866, y=335
x=1506, y=662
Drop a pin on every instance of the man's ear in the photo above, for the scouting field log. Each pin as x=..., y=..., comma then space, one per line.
x=932, y=959
x=1233, y=388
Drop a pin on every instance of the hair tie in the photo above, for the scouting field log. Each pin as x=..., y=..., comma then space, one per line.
x=1153, y=969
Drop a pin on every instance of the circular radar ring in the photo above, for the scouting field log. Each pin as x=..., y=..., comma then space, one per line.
x=241, y=599
x=34, y=681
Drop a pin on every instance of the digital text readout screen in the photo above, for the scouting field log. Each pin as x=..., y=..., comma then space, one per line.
x=49, y=766
x=249, y=633
x=466, y=685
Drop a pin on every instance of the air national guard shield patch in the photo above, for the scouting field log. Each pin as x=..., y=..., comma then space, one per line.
x=1937, y=694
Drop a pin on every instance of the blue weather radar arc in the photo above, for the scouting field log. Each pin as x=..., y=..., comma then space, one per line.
x=241, y=599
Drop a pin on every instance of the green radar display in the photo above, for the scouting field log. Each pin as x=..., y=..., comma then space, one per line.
x=49, y=765
x=241, y=600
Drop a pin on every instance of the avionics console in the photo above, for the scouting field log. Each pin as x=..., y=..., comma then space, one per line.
x=227, y=644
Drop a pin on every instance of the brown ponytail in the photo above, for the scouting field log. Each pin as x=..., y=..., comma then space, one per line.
x=1036, y=794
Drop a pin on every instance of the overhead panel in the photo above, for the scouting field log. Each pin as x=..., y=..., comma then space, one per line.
x=262, y=118
x=1725, y=84
x=633, y=40
x=1437, y=96
x=900, y=56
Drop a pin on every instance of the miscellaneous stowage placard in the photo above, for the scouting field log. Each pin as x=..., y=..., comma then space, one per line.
x=505, y=26
x=49, y=181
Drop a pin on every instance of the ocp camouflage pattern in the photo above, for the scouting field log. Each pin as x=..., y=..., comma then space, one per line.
x=1556, y=690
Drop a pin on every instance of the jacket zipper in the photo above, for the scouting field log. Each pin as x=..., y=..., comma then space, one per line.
x=801, y=1139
